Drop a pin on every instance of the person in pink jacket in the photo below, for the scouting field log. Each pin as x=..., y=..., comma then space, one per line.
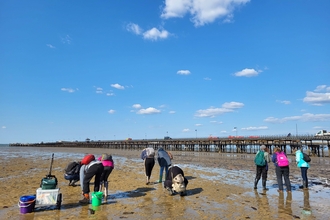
x=108, y=164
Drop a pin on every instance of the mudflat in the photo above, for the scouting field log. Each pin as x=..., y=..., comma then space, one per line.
x=220, y=187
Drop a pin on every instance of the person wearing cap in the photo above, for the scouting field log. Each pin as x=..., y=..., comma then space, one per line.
x=175, y=181
x=261, y=171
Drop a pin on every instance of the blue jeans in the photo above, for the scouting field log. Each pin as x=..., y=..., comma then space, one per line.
x=304, y=173
x=162, y=170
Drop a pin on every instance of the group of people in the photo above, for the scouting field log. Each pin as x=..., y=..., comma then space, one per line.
x=175, y=181
x=88, y=168
x=282, y=169
x=101, y=168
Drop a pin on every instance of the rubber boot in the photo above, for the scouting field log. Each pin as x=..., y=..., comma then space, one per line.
x=160, y=178
x=302, y=186
x=305, y=185
x=264, y=185
x=106, y=190
x=256, y=183
x=85, y=200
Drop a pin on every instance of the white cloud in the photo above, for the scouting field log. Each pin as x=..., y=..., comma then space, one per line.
x=137, y=106
x=171, y=112
x=212, y=112
x=318, y=98
x=186, y=130
x=216, y=122
x=99, y=90
x=68, y=90
x=3, y=127
x=152, y=34
x=134, y=28
x=285, y=102
x=117, y=86
x=255, y=128
x=50, y=46
x=155, y=34
x=202, y=11
x=110, y=94
x=320, y=88
x=305, y=117
x=198, y=125
x=148, y=111
x=207, y=78
x=247, y=72
x=111, y=111
x=183, y=72
x=66, y=40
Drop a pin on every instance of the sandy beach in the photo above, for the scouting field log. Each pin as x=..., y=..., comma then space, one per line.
x=220, y=187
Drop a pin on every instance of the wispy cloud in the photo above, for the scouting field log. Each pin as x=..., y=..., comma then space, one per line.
x=66, y=39
x=111, y=111
x=284, y=102
x=255, y=128
x=99, y=90
x=186, y=130
x=70, y=90
x=317, y=97
x=137, y=106
x=110, y=94
x=202, y=12
x=50, y=46
x=3, y=127
x=305, y=117
x=153, y=34
x=117, y=86
x=171, y=112
x=247, y=73
x=212, y=111
x=148, y=111
x=183, y=72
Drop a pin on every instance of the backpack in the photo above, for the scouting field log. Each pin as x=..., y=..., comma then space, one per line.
x=282, y=160
x=72, y=168
x=306, y=158
x=150, y=152
x=87, y=159
x=259, y=160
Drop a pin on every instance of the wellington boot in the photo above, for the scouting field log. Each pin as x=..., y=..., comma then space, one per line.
x=85, y=200
x=305, y=185
x=256, y=183
x=160, y=178
x=264, y=185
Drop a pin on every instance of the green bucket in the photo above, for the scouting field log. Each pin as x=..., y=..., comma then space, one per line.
x=97, y=198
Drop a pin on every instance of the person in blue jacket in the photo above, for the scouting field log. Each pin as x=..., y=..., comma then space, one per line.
x=303, y=165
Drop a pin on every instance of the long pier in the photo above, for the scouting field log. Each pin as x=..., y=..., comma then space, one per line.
x=314, y=146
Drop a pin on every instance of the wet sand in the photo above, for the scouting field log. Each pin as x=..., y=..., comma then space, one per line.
x=220, y=187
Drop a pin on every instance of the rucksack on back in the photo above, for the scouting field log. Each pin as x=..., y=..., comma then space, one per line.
x=282, y=160
x=150, y=152
x=306, y=158
x=87, y=159
x=259, y=160
x=72, y=168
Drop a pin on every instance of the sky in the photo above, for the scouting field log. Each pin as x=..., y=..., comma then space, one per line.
x=109, y=70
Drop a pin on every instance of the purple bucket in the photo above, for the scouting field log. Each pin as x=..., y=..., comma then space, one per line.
x=27, y=204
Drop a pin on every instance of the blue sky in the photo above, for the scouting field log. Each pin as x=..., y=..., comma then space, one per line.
x=105, y=70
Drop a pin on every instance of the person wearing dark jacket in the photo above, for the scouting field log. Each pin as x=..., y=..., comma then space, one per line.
x=281, y=172
x=72, y=173
x=175, y=181
x=164, y=162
